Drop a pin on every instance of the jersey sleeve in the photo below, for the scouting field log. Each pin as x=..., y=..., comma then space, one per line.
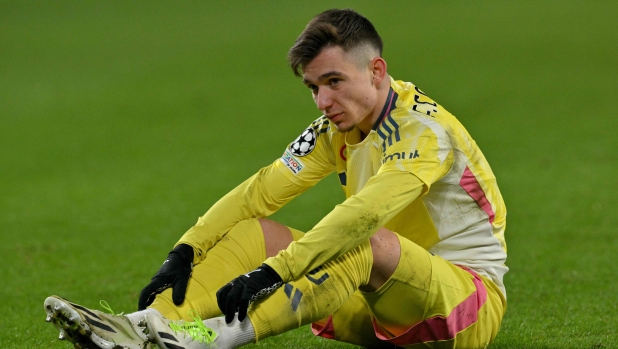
x=349, y=224
x=263, y=193
x=310, y=156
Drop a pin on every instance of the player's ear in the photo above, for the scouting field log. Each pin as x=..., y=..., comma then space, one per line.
x=378, y=69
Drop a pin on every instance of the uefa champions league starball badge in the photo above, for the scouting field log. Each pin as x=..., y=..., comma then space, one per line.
x=304, y=144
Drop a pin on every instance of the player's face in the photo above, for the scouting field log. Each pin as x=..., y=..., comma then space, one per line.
x=342, y=89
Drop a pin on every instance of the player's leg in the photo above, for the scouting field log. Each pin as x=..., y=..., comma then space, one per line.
x=314, y=296
x=323, y=291
x=352, y=322
x=326, y=290
x=244, y=248
x=430, y=302
x=241, y=250
x=426, y=302
x=420, y=304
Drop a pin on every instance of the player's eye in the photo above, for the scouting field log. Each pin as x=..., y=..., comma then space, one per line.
x=334, y=81
x=313, y=88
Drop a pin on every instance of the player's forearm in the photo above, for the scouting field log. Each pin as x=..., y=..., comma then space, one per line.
x=259, y=196
x=349, y=224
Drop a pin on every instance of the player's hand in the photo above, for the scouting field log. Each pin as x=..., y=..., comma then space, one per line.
x=174, y=272
x=238, y=294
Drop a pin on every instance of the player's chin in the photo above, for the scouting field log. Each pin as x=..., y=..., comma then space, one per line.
x=344, y=127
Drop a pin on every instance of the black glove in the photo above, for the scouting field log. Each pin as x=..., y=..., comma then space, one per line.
x=239, y=293
x=174, y=272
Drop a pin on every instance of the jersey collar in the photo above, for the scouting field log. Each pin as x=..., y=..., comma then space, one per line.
x=388, y=106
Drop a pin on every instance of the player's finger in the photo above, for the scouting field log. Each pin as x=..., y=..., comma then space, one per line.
x=146, y=297
x=142, y=303
x=180, y=289
x=243, y=306
x=231, y=302
x=222, y=296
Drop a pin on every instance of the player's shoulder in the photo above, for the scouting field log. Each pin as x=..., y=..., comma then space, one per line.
x=321, y=125
x=415, y=109
x=318, y=132
x=412, y=101
x=418, y=115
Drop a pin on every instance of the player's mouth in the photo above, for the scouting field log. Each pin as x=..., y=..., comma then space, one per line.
x=335, y=117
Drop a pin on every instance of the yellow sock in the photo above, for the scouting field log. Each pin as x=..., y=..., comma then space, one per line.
x=314, y=296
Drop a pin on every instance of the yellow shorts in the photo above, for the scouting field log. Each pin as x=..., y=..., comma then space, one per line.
x=428, y=302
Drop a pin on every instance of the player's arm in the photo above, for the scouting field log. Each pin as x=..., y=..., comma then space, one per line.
x=301, y=166
x=259, y=196
x=400, y=180
x=349, y=224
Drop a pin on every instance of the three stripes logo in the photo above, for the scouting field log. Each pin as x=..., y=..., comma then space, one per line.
x=169, y=337
x=295, y=295
x=92, y=321
x=321, y=125
x=317, y=280
x=389, y=130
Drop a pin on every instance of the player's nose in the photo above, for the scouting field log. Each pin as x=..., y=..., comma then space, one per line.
x=323, y=100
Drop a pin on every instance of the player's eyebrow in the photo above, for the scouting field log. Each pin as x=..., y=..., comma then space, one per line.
x=324, y=76
x=329, y=74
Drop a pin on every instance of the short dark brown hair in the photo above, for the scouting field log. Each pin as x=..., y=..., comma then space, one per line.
x=344, y=28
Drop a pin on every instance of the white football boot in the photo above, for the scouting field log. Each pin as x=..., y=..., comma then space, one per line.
x=207, y=334
x=91, y=329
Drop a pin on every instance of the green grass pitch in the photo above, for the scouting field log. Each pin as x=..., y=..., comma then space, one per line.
x=122, y=122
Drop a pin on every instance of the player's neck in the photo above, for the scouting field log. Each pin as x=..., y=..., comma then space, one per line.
x=362, y=136
x=382, y=96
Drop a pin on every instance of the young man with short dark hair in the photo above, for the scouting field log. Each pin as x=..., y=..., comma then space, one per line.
x=414, y=255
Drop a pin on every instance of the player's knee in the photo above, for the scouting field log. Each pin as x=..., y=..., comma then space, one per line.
x=386, y=252
x=243, y=228
x=277, y=236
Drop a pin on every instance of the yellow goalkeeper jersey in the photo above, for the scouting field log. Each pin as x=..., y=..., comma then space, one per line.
x=460, y=214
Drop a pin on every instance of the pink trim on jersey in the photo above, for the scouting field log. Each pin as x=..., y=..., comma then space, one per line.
x=469, y=183
x=391, y=101
x=390, y=106
x=441, y=328
x=326, y=331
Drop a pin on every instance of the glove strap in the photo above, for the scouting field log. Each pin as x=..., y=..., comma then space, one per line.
x=271, y=272
x=184, y=251
x=276, y=283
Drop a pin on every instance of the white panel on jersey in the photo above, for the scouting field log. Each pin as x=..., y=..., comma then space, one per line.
x=443, y=138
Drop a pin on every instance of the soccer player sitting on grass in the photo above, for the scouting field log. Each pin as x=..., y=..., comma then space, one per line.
x=414, y=255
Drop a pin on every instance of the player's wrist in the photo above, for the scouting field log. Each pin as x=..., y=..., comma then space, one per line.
x=184, y=252
x=278, y=266
x=272, y=274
